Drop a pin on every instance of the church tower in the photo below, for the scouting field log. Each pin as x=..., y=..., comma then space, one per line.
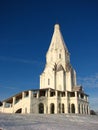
x=58, y=73
x=58, y=91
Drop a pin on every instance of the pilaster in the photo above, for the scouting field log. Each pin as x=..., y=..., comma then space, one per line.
x=76, y=103
x=14, y=100
x=30, y=93
x=67, y=102
x=23, y=95
x=49, y=93
x=56, y=107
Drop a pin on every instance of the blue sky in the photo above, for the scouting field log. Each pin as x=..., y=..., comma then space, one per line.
x=26, y=28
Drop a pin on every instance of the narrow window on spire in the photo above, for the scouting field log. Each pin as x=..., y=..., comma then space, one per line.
x=59, y=56
x=48, y=81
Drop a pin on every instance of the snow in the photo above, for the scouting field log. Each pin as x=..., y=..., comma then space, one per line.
x=48, y=122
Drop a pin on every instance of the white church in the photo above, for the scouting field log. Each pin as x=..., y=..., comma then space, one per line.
x=58, y=93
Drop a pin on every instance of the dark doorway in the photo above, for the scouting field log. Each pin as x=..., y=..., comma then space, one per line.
x=72, y=108
x=63, y=108
x=69, y=108
x=19, y=110
x=52, y=108
x=41, y=108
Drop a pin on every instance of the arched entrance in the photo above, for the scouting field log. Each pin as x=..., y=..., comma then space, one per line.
x=19, y=110
x=41, y=108
x=52, y=108
x=72, y=108
x=63, y=108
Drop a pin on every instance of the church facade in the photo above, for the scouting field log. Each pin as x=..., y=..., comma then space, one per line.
x=59, y=92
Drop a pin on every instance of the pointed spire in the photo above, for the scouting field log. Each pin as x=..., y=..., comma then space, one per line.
x=56, y=27
x=57, y=48
x=57, y=39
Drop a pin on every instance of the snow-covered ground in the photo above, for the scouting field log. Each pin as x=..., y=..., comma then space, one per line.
x=47, y=122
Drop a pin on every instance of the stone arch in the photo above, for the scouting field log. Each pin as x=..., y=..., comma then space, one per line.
x=41, y=108
x=73, y=108
x=19, y=110
x=60, y=67
x=52, y=108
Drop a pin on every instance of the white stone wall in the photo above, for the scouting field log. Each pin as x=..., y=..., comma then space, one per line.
x=60, y=81
x=47, y=79
x=68, y=81
x=57, y=54
x=23, y=104
x=57, y=75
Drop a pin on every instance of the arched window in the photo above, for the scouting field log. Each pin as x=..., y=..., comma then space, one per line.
x=52, y=108
x=72, y=108
x=41, y=108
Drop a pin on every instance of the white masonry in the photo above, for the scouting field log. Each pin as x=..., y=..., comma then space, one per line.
x=59, y=92
x=58, y=73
